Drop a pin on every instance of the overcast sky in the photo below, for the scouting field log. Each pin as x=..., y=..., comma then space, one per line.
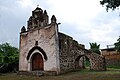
x=84, y=20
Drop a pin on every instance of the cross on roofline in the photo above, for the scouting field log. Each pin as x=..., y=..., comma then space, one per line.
x=38, y=5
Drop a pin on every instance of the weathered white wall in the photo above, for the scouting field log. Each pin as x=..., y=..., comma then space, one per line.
x=47, y=38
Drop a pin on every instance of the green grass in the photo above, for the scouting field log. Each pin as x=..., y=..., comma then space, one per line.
x=111, y=74
x=116, y=67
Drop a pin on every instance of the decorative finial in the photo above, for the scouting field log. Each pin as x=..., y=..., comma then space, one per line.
x=53, y=19
x=23, y=29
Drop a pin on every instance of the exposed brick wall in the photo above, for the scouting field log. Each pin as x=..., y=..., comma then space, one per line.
x=113, y=60
x=112, y=57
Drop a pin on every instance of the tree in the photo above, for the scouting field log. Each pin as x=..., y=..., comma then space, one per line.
x=110, y=4
x=95, y=48
x=9, y=57
x=117, y=45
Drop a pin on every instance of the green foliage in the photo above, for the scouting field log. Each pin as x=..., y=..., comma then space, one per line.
x=8, y=54
x=87, y=62
x=9, y=57
x=117, y=45
x=95, y=48
x=110, y=4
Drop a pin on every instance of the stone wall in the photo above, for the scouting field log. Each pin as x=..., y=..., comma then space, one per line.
x=69, y=48
x=97, y=62
x=72, y=56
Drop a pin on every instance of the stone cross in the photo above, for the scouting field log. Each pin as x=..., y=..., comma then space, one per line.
x=38, y=5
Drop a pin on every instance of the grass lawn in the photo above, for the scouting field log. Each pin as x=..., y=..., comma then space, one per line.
x=111, y=74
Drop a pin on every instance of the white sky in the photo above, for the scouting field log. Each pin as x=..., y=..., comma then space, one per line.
x=85, y=20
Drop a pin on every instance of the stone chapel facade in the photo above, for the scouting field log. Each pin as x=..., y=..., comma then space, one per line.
x=44, y=48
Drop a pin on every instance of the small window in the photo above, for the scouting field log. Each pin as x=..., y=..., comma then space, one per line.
x=36, y=43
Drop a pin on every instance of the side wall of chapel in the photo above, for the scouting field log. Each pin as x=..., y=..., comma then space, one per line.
x=70, y=52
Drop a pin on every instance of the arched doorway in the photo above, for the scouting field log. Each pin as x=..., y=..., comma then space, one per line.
x=79, y=62
x=36, y=48
x=37, y=62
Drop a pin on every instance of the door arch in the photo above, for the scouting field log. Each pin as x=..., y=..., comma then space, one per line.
x=79, y=62
x=37, y=62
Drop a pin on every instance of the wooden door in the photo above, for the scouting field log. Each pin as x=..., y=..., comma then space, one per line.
x=37, y=62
